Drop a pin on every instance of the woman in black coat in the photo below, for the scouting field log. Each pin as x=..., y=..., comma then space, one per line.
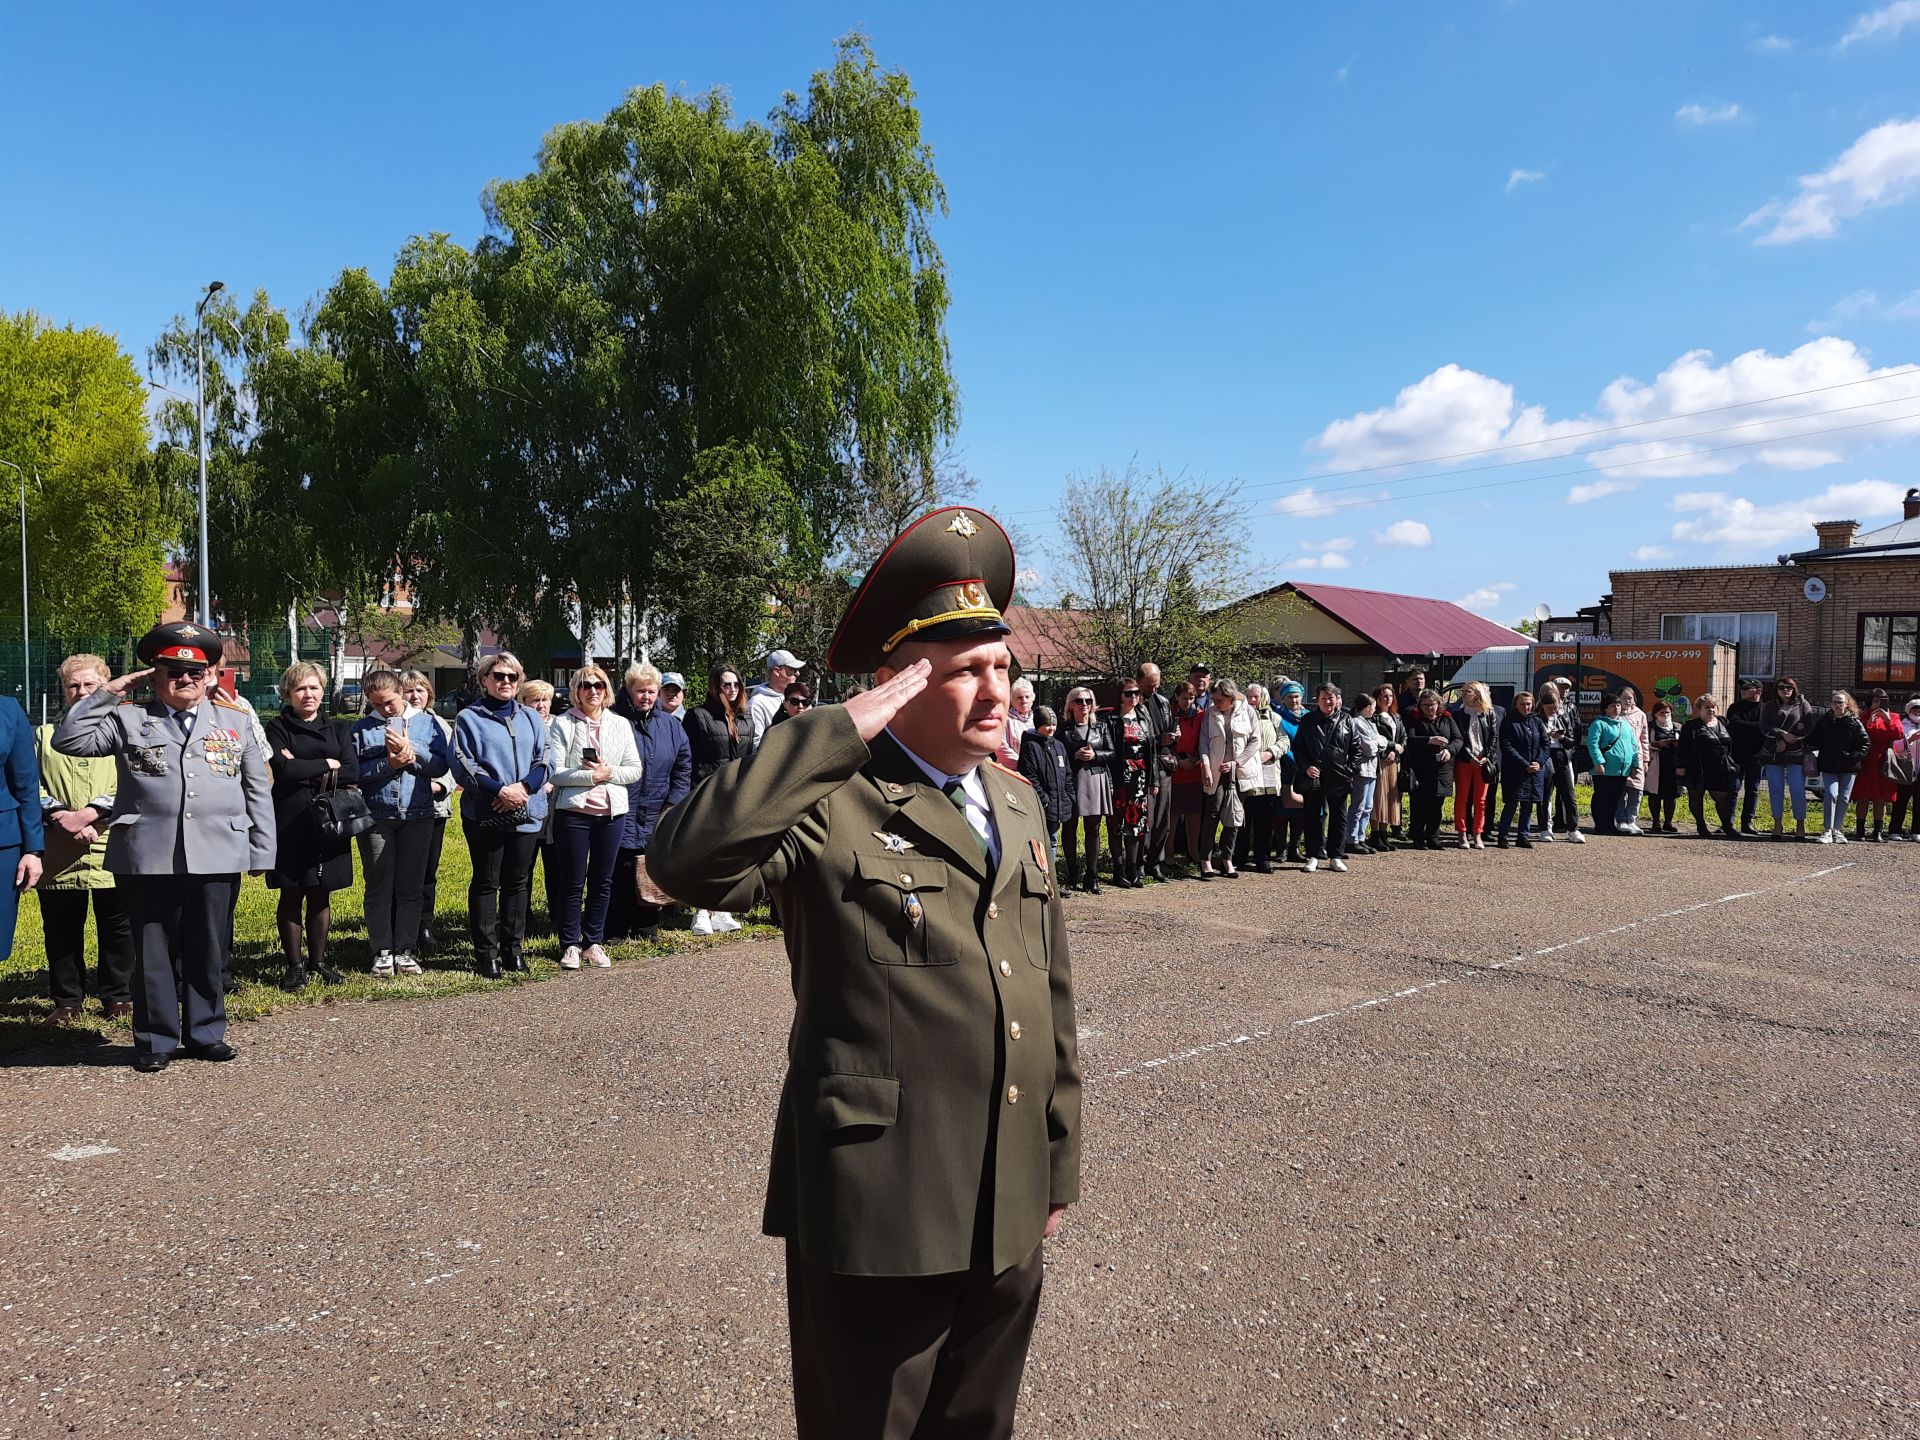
x=307, y=752
x=1525, y=761
x=1705, y=763
x=1089, y=746
x=718, y=730
x=1044, y=763
x=1433, y=743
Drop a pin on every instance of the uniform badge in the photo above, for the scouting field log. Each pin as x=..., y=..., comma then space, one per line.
x=147, y=760
x=223, y=751
x=962, y=524
x=914, y=911
x=1040, y=856
x=896, y=844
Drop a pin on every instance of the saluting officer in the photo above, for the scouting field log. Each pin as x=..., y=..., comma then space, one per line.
x=191, y=810
x=928, y=1136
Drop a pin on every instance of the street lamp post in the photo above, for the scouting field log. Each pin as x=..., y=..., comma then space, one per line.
x=200, y=407
x=26, y=637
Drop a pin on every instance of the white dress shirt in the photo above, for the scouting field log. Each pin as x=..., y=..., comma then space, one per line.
x=972, y=788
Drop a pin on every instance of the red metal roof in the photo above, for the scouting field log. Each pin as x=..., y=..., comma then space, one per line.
x=1408, y=624
x=1052, y=640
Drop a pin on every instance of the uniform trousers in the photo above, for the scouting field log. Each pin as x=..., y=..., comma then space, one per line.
x=393, y=857
x=182, y=935
x=63, y=915
x=915, y=1357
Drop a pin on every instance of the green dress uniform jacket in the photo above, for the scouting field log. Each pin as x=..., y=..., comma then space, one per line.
x=71, y=782
x=933, y=1068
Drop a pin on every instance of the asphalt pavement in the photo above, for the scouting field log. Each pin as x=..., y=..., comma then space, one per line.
x=1616, y=1140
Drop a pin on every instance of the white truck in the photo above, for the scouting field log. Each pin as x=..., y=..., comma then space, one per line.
x=1674, y=671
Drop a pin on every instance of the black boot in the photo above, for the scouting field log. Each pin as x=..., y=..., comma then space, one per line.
x=295, y=975
x=317, y=949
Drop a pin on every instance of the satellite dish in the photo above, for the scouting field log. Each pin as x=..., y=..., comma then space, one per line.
x=1543, y=612
x=1815, y=589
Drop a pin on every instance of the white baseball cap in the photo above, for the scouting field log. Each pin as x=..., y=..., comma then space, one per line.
x=786, y=658
x=673, y=678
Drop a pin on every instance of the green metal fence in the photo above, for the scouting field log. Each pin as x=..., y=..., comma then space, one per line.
x=33, y=678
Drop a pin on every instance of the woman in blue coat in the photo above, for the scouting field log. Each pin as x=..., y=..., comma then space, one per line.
x=666, y=775
x=1525, y=761
x=20, y=835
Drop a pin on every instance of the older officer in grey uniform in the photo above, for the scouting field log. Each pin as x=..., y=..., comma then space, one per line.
x=191, y=812
x=929, y=1132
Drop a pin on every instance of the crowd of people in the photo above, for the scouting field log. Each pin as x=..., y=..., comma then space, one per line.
x=1231, y=779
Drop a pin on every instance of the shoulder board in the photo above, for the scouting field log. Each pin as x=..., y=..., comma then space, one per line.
x=1014, y=773
x=226, y=704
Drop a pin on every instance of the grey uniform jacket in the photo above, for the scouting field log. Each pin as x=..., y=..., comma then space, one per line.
x=200, y=805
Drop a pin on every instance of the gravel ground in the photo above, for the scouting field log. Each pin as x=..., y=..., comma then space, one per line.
x=1435, y=1170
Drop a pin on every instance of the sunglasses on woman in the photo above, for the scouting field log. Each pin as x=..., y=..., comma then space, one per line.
x=591, y=685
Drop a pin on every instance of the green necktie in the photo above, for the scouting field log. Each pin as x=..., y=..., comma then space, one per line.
x=958, y=796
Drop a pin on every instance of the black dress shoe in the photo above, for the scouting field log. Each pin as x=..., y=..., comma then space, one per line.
x=294, y=979
x=150, y=1062
x=1524, y=843
x=488, y=970
x=219, y=1050
x=232, y=987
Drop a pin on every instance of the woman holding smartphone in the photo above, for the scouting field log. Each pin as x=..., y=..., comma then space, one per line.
x=400, y=753
x=592, y=758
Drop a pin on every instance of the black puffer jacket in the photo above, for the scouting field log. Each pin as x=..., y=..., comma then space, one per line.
x=1840, y=741
x=713, y=745
x=1330, y=744
x=1706, y=755
x=1043, y=760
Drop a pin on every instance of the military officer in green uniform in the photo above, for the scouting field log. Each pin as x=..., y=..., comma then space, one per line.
x=928, y=1136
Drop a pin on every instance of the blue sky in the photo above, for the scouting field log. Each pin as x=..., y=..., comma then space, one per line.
x=1258, y=243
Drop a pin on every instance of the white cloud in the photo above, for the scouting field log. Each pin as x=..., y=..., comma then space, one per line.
x=1708, y=114
x=1460, y=415
x=1648, y=553
x=1517, y=178
x=1734, y=523
x=1323, y=562
x=1885, y=23
x=1866, y=305
x=1407, y=534
x=1881, y=168
x=1306, y=503
x=1486, y=597
x=1771, y=45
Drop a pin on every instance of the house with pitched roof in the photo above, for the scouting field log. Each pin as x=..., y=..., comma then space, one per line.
x=1359, y=639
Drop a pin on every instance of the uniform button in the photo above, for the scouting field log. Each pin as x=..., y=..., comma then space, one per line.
x=187, y=816
x=1013, y=1094
x=1013, y=1028
x=1005, y=968
x=993, y=911
x=906, y=879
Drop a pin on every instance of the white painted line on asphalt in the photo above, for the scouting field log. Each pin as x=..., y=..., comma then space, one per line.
x=1194, y=1052
x=82, y=1152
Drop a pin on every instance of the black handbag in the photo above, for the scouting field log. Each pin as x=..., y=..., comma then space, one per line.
x=340, y=814
x=496, y=820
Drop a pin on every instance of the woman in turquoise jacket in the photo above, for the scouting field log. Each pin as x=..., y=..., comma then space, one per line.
x=1615, y=753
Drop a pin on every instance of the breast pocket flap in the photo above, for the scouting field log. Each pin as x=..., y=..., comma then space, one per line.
x=902, y=872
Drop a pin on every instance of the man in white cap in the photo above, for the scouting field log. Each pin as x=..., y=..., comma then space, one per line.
x=764, y=700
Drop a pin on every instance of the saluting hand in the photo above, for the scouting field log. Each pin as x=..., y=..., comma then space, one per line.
x=121, y=684
x=872, y=711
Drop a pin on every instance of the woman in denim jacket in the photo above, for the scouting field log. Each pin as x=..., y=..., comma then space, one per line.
x=400, y=755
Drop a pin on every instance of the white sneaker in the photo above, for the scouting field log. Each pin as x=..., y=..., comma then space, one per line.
x=702, y=923
x=1312, y=865
x=1633, y=828
x=570, y=958
x=1546, y=837
x=722, y=921
x=1840, y=837
x=1826, y=838
x=406, y=964
x=1577, y=836
x=1340, y=866
x=597, y=957
x=383, y=965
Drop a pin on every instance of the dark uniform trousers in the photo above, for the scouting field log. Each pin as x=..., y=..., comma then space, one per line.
x=914, y=1357
x=182, y=930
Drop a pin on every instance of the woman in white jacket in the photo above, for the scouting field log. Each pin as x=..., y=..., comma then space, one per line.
x=1229, y=749
x=592, y=758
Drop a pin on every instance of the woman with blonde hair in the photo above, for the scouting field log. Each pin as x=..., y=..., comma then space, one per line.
x=592, y=759
x=1090, y=757
x=1229, y=754
x=1475, y=765
x=307, y=753
x=1839, y=743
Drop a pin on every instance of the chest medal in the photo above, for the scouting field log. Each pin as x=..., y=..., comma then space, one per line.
x=223, y=751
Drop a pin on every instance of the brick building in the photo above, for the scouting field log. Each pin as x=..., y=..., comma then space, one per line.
x=1843, y=615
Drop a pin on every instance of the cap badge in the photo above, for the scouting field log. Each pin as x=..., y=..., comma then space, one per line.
x=962, y=524
x=974, y=593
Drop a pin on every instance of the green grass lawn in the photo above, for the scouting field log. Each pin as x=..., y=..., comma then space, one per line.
x=257, y=961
